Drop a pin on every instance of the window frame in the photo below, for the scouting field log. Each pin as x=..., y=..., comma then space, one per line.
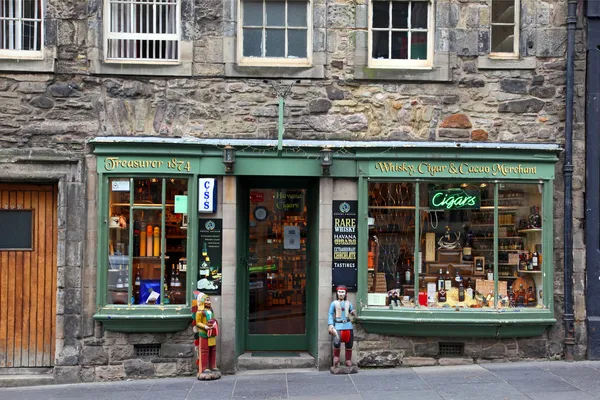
x=275, y=61
x=108, y=35
x=517, y=34
x=29, y=54
x=403, y=64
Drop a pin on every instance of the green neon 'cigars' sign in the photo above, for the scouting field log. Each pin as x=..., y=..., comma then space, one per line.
x=454, y=199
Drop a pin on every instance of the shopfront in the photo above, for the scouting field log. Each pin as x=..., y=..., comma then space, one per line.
x=453, y=241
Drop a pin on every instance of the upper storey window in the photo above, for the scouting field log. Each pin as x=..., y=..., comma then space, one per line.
x=142, y=30
x=400, y=34
x=21, y=33
x=505, y=28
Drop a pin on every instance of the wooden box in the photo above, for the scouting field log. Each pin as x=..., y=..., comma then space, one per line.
x=449, y=256
x=484, y=287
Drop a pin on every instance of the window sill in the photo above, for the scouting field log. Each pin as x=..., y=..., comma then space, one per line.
x=489, y=62
x=291, y=71
x=142, y=319
x=452, y=323
x=439, y=72
x=45, y=63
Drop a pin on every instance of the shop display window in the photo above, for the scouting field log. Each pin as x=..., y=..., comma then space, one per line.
x=147, y=242
x=455, y=245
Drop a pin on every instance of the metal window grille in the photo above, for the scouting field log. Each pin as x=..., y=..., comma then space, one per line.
x=146, y=30
x=21, y=25
x=451, y=349
x=147, y=350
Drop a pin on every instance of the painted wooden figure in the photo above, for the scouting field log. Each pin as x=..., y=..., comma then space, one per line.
x=340, y=327
x=206, y=330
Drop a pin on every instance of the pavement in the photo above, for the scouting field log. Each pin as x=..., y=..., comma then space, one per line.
x=504, y=381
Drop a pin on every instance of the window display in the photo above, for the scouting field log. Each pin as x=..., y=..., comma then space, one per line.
x=147, y=242
x=466, y=245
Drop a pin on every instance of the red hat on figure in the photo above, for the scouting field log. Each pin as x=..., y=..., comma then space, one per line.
x=341, y=287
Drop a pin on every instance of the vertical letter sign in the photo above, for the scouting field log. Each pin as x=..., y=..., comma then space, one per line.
x=207, y=201
x=345, y=239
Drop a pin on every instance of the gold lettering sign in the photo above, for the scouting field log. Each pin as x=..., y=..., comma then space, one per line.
x=112, y=163
x=461, y=169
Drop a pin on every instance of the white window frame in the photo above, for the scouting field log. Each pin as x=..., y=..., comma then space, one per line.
x=140, y=36
x=26, y=54
x=275, y=61
x=517, y=25
x=404, y=64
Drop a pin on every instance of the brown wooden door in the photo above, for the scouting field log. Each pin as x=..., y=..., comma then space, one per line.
x=27, y=276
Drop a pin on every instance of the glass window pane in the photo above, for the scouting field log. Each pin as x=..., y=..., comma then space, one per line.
x=275, y=40
x=253, y=13
x=418, y=15
x=297, y=13
x=252, y=42
x=147, y=257
x=418, y=46
x=381, y=14
x=275, y=13
x=297, y=43
x=503, y=11
x=391, y=257
x=520, y=243
x=119, y=218
x=399, y=45
x=20, y=234
x=380, y=45
x=399, y=14
x=503, y=40
x=457, y=245
x=147, y=191
x=176, y=241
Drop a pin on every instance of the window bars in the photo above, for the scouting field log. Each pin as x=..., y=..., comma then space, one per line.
x=145, y=30
x=21, y=25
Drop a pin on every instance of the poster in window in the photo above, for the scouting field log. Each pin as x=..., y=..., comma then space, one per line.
x=210, y=260
x=345, y=244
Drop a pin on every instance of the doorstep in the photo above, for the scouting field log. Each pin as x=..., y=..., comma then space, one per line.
x=16, y=377
x=276, y=360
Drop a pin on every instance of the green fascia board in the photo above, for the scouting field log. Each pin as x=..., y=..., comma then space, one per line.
x=135, y=319
x=452, y=323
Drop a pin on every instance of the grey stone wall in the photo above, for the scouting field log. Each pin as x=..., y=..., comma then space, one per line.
x=523, y=101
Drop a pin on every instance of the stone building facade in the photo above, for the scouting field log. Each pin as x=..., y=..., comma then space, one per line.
x=51, y=110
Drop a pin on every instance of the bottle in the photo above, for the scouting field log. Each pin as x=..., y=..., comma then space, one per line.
x=479, y=265
x=166, y=293
x=470, y=292
x=461, y=290
x=467, y=252
x=172, y=280
x=398, y=283
x=149, y=232
x=422, y=292
x=204, y=250
x=126, y=280
x=136, y=238
x=156, y=242
x=119, y=278
x=440, y=281
x=535, y=261
x=408, y=275
x=143, y=240
x=537, y=219
x=136, y=287
x=530, y=262
x=448, y=281
x=442, y=296
x=490, y=274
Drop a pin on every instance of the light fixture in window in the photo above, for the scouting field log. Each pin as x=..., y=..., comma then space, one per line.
x=483, y=185
x=229, y=158
x=326, y=160
x=464, y=185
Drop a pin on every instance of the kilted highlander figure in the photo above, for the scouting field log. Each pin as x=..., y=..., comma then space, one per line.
x=206, y=330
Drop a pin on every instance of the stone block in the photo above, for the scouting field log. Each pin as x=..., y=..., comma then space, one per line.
x=87, y=374
x=426, y=349
x=72, y=301
x=521, y=106
x=464, y=42
x=166, y=369
x=447, y=15
x=373, y=345
x=32, y=87
x=171, y=350
x=444, y=133
x=479, y=135
x=69, y=356
x=110, y=373
x=510, y=85
x=65, y=375
x=334, y=92
x=400, y=343
x=138, y=368
x=418, y=362
x=187, y=366
x=340, y=16
x=42, y=102
x=72, y=326
x=379, y=358
x=455, y=361
x=543, y=92
x=94, y=355
x=551, y=42
x=319, y=106
x=532, y=348
x=457, y=121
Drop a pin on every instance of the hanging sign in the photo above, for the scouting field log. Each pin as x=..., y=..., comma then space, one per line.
x=345, y=244
x=210, y=260
x=454, y=199
x=207, y=201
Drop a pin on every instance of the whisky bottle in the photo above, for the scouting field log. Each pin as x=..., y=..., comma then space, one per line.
x=204, y=250
x=448, y=281
x=422, y=292
x=408, y=274
x=442, y=296
x=479, y=265
x=204, y=268
x=490, y=274
x=440, y=281
x=530, y=262
x=119, y=278
x=461, y=290
x=535, y=261
x=136, y=238
x=470, y=292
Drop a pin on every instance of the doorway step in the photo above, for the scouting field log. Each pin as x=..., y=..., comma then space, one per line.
x=15, y=377
x=275, y=360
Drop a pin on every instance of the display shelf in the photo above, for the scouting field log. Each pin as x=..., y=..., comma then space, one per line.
x=499, y=238
x=507, y=277
x=500, y=251
x=530, y=230
x=513, y=264
x=504, y=208
x=530, y=272
x=392, y=208
x=488, y=225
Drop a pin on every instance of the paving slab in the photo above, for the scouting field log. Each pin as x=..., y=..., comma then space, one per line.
x=393, y=381
x=323, y=383
x=401, y=395
x=481, y=391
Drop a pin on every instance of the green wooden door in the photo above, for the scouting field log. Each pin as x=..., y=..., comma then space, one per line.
x=276, y=264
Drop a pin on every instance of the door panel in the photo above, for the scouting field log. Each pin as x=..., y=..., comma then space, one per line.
x=28, y=277
x=277, y=268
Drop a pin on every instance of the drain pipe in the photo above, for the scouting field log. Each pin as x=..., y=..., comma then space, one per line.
x=568, y=183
